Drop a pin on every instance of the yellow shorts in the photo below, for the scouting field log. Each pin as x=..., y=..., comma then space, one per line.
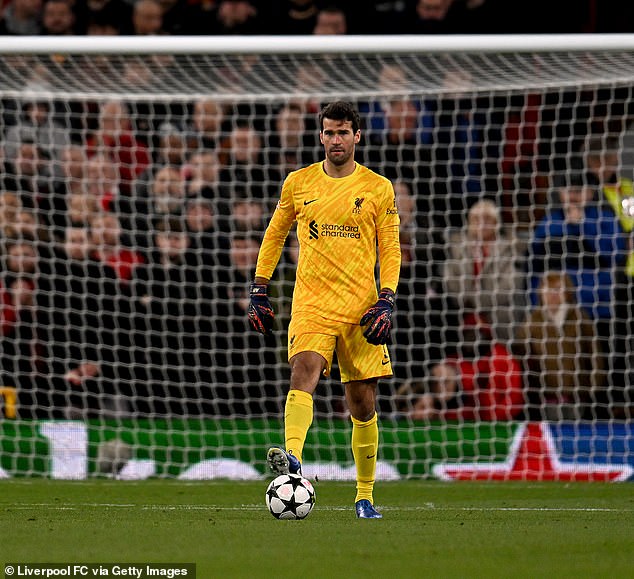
x=357, y=359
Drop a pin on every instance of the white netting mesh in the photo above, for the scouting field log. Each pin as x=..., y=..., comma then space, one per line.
x=136, y=187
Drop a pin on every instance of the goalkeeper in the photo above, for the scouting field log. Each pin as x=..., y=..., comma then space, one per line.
x=344, y=211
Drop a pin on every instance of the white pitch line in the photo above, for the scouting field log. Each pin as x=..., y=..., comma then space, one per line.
x=254, y=507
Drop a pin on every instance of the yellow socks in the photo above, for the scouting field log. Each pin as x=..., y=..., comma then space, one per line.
x=298, y=416
x=365, y=442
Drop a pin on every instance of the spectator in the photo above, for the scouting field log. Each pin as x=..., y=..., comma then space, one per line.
x=101, y=181
x=237, y=17
x=295, y=16
x=460, y=152
x=29, y=176
x=166, y=196
x=103, y=16
x=524, y=179
x=176, y=13
x=248, y=215
x=58, y=18
x=397, y=146
x=22, y=18
x=20, y=328
x=172, y=146
x=431, y=17
x=37, y=124
x=249, y=384
x=26, y=226
x=292, y=146
x=147, y=18
x=167, y=191
x=81, y=208
x=173, y=309
x=541, y=132
x=482, y=382
x=392, y=77
x=383, y=17
x=484, y=17
x=331, y=20
x=82, y=353
x=566, y=367
x=188, y=18
x=115, y=137
x=206, y=123
x=247, y=165
x=309, y=78
x=602, y=160
x=101, y=26
x=426, y=320
x=111, y=248
x=466, y=17
x=73, y=161
x=209, y=245
x=202, y=171
x=581, y=236
x=399, y=134
x=483, y=271
x=10, y=204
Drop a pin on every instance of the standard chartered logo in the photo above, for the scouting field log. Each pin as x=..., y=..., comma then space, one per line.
x=333, y=230
x=336, y=230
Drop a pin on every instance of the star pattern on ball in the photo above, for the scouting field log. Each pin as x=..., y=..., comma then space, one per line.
x=290, y=496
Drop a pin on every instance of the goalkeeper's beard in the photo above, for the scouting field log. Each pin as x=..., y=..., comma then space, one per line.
x=338, y=158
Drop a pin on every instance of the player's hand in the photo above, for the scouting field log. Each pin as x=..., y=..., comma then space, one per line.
x=260, y=311
x=378, y=319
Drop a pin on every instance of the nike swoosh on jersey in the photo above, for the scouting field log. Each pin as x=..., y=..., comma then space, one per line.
x=311, y=201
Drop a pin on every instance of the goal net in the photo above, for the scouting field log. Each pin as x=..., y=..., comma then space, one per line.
x=140, y=173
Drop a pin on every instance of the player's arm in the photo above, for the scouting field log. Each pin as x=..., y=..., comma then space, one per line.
x=387, y=232
x=260, y=312
x=378, y=319
x=389, y=257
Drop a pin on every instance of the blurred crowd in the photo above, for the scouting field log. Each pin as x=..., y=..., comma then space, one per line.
x=244, y=17
x=130, y=235
x=130, y=230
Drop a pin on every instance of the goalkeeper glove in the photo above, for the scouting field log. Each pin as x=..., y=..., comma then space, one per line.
x=378, y=319
x=260, y=312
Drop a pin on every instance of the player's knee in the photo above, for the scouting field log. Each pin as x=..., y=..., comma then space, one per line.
x=364, y=415
x=306, y=370
x=361, y=399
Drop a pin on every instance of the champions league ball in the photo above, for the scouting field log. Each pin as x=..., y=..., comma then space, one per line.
x=290, y=496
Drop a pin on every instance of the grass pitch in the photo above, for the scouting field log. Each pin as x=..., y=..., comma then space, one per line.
x=429, y=529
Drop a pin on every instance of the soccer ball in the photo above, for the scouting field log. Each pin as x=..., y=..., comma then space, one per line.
x=290, y=496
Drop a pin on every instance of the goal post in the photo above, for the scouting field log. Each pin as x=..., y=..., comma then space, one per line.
x=139, y=174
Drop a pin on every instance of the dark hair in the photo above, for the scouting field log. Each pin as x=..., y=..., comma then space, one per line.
x=576, y=178
x=169, y=224
x=340, y=111
x=246, y=236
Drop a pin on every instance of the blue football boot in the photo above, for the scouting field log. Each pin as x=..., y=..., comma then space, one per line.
x=282, y=462
x=365, y=510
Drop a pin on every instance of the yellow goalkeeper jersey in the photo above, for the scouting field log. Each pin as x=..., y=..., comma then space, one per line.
x=341, y=223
